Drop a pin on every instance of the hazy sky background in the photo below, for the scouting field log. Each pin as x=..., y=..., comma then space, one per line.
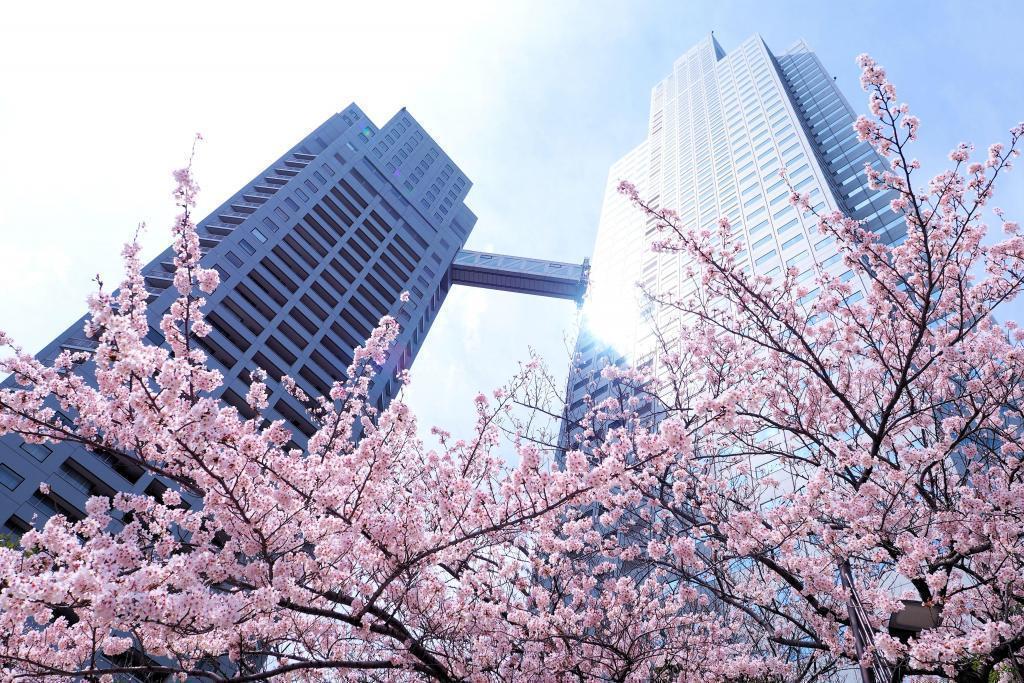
x=534, y=100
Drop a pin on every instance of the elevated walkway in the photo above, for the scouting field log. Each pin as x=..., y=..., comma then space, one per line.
x=522, y=275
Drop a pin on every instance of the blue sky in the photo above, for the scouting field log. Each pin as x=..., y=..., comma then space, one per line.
x=534, y=100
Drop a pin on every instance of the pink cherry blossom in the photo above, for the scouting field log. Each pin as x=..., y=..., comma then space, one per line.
x=890, y=427
x=813, y=465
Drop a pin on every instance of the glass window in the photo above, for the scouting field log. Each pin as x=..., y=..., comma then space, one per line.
x=756, y=213
x=759, y=227
x=791, y=224
x=791, y=241
x=783, y=214
x=783, y=140
x=831, y=260
x=785, y=152
x=794, y=259
x=76, y=479
x=39, y=451
x=10, y=478
x=154, y=336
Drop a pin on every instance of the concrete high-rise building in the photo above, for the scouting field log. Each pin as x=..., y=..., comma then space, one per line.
x=312, y=252
x=721, y=127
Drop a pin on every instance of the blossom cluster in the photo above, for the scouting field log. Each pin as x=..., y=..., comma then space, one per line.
x=817, y=464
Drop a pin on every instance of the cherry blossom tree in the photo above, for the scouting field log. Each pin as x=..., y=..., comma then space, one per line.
x=815, y=461
x=834, y=451
x=363, y=555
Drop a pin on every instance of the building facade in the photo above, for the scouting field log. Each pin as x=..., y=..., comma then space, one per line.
x=721, y=127
x=312, y=252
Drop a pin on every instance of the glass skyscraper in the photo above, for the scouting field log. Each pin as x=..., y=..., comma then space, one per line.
x=721, y=127
x=312, y=252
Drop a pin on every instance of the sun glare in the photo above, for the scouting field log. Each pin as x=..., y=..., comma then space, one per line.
x=611, y=314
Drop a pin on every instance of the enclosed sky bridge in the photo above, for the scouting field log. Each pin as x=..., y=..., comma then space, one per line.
x=522, y=275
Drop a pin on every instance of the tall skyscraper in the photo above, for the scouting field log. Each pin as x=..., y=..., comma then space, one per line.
x=721, y=127
x=312, y=252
